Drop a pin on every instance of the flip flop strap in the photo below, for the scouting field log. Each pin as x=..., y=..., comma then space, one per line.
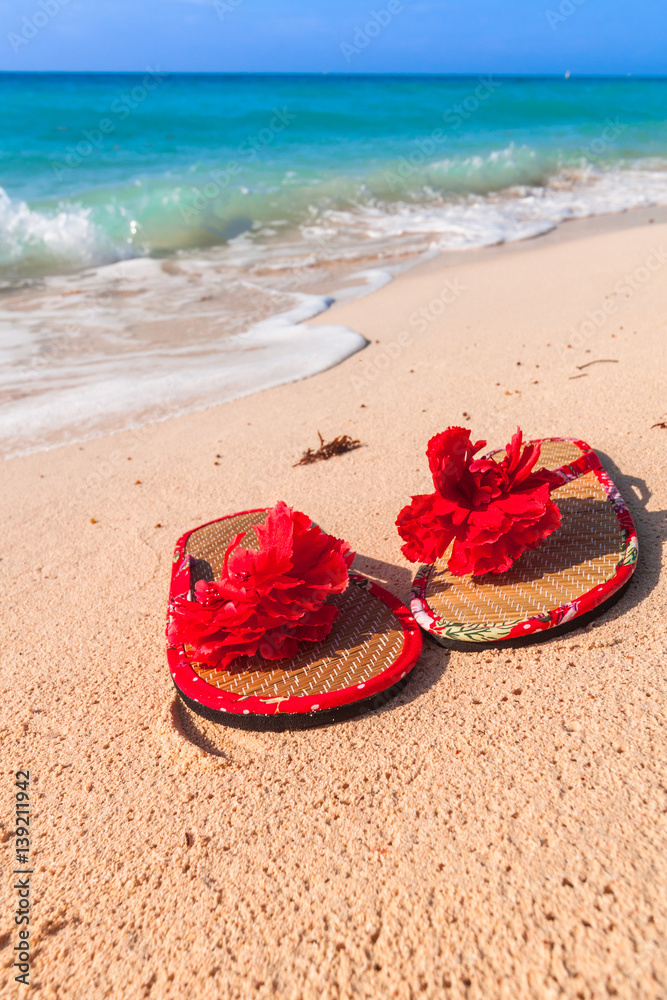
x=588, y=461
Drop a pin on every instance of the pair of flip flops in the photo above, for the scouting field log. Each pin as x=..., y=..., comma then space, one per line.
x=267, y=626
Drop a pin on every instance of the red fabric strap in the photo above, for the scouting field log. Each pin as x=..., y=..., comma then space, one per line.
x=588, y=461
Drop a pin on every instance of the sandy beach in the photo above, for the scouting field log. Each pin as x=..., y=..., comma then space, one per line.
x=498, y=830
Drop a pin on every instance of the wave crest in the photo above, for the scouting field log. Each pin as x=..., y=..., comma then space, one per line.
x=37, y=242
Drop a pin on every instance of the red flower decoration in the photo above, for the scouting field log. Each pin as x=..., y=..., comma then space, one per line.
x=492, y=511
x=269, y=599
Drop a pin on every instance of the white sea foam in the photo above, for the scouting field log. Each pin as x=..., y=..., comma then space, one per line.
x=64, y=236
x=515, y=213
x=77, y=396
x=142, y=339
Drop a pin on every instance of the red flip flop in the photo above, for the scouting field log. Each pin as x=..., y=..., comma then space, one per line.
x=264, y=630
x=511, y=551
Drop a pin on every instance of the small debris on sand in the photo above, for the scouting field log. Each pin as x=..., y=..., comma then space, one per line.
x=599, y=361
x=338, y=446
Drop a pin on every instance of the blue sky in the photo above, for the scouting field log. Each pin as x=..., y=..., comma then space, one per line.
x=360, y=36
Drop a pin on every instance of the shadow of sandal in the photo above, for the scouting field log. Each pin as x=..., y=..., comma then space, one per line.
x=651, y=528
x=397, y=579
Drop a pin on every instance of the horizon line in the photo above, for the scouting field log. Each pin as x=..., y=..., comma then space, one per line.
x=568, y=75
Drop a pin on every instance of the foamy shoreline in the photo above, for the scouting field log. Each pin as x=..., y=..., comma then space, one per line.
x=162, y=377
x=77, y=385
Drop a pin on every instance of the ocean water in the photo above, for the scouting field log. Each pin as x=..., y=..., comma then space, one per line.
x=163, y=237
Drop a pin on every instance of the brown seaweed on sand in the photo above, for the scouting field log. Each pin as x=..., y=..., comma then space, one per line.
x=328, y=449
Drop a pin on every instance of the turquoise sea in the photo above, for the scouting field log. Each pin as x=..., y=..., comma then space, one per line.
x=269, y=190
x=98, y=167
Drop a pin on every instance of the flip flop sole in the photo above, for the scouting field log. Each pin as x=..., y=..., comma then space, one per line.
x=373, y=645
x=576, y=571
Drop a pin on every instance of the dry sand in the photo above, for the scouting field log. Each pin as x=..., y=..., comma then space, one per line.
x=499, y=829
